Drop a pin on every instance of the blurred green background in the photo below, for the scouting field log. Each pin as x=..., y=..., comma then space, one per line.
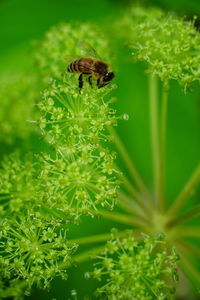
x=23, y=21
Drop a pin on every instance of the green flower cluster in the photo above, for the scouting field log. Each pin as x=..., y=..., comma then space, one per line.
x=40, y=193
x=19, y=184
x=140, y=270
x=13, y=289
x=33, y=251
x=168, y=44
x=80, y=171
x=78, y=186
x=71, y=120
x=66, y=42
x=18, y=94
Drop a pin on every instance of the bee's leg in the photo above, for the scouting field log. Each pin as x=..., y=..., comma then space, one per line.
x=80, y=81
x=98, y=82
x=102, y=85
x=90, y=81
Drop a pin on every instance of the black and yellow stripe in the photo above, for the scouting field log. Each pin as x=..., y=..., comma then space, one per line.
x=74, y=67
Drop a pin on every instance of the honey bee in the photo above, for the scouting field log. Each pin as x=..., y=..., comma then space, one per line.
x=92, y=68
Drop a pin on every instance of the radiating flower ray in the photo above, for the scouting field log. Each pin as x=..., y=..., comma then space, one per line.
x=136, y=268
x=32, y=249
x=187, y=265
x=18, y=184
x=79, y=185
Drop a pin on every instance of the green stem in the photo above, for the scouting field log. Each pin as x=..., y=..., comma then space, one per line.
x=184, y=217
x=130, y=188
x=135, y=194
x=189, y=248
x=129, y=205
x=98, y=238
x=129, y=164
x=191, y=231
x=185, y=193
x=188, y=267
x=53, y=212
x=163, y=147
x=153, y=107
x=88, y=254
x=122, y=218
x=84, y=256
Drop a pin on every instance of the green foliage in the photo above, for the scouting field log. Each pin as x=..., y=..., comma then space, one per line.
x=78, y=174
x=33, y=250
x=15, y=288
x=81, y=173
x=135, y=269
x=168, y=44
x=78, y=186
x=76, y=121
x=18, y=97
x=66, y=42
x=76, y=177
x=19, y=185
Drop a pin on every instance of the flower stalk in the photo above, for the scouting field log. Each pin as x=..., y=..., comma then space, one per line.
x=155, y=145
x=189, y=187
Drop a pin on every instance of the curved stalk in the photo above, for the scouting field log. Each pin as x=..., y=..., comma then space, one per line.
x=190, y=231
x=192, y=213
x=135, y=194
x=130, y=205
x=122, y=218
x=130, y=165
x=153, y=108
x=163, y=126
x=185, y=193
x=188, y=247
x=88, y=254
x=98, y=238
x=188, y=267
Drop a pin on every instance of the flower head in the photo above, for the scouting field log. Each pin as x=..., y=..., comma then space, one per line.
x=79, y=184
x=13, y=289
x=79, y=174
x=140, y=270
x=18, y=94
x=33, y=250
x=66, y=42
x=74, y=122
x=18, y=184
x=168, y=44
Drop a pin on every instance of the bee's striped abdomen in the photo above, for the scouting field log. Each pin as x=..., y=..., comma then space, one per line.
x=74, y=67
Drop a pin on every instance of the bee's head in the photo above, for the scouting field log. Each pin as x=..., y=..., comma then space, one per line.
x=107, y=78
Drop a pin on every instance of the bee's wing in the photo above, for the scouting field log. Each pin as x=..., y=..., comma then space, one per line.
x=87, y=66
x=86, y=50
